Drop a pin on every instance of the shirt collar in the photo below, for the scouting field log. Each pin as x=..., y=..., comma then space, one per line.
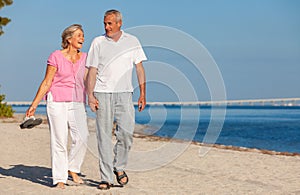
x=123, y=35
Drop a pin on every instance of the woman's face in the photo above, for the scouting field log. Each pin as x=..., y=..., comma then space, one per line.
x=77, y=39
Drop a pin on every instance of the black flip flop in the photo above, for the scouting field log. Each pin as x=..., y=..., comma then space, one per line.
x=105, y=184
x=31, y=122
x=36, y=122
x=119, y=177
x=26, y=123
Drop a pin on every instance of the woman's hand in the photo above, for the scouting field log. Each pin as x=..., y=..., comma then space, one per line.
x=30, y=111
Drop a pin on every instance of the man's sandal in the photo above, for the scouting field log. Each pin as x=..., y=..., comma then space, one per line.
x=120, y=177
x=104, y=185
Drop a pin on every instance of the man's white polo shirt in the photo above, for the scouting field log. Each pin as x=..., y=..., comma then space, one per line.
x=114, y=61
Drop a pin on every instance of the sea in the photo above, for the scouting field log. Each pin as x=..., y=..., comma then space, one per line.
x=266, y=127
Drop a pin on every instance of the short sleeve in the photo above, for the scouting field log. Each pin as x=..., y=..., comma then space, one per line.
x=139, y=54
x=52, y=59
x=92, y=59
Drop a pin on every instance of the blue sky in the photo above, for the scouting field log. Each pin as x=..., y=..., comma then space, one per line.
x=254, y=43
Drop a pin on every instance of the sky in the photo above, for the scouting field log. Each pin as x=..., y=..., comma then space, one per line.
x=197, y=50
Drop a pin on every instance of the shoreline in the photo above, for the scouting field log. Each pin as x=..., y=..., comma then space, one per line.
x=138, y=133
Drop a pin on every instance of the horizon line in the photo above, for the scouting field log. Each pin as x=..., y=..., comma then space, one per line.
x=218, y=102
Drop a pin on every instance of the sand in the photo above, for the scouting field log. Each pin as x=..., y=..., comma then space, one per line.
x=156, y=166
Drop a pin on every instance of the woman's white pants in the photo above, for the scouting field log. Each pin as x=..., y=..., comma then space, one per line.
x=61, y=117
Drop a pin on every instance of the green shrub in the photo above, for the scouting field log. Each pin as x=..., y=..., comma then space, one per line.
x=5, y=110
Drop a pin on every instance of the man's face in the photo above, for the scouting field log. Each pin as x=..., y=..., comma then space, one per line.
x=111, y=25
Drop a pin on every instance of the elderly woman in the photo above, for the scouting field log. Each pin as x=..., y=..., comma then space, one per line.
x=63, y=89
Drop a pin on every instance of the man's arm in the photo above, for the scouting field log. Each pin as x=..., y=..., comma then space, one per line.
x=90, y=85
x=142, y=85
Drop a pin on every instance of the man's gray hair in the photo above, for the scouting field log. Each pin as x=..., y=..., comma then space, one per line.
x=114, y=12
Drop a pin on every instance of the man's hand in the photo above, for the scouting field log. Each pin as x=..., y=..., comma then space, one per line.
x=141, y=103
x=93, y=103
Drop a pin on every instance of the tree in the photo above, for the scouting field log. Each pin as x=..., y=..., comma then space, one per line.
x=5, y=110
x=4, y=20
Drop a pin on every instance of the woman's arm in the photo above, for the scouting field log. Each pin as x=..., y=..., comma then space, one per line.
x=43, y=89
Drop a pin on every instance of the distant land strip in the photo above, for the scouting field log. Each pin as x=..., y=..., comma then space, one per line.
x=273, y=101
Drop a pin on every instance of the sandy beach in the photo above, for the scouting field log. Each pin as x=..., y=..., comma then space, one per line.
x=156, y=166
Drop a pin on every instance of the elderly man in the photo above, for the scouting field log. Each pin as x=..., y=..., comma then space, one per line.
x=111, y=60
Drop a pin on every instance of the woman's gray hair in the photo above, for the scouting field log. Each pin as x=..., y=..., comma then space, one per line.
x=114, y=12
x=68, y=33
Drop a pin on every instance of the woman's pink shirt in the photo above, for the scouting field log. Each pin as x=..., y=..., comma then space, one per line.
x=68, y=82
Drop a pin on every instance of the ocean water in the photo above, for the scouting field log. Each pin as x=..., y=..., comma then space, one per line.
x=263, y=127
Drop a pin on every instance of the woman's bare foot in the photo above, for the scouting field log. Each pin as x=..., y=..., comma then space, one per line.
x=75, y=177
x=60, y=185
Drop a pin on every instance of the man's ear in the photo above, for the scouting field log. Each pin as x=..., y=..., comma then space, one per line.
x=120, y=23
